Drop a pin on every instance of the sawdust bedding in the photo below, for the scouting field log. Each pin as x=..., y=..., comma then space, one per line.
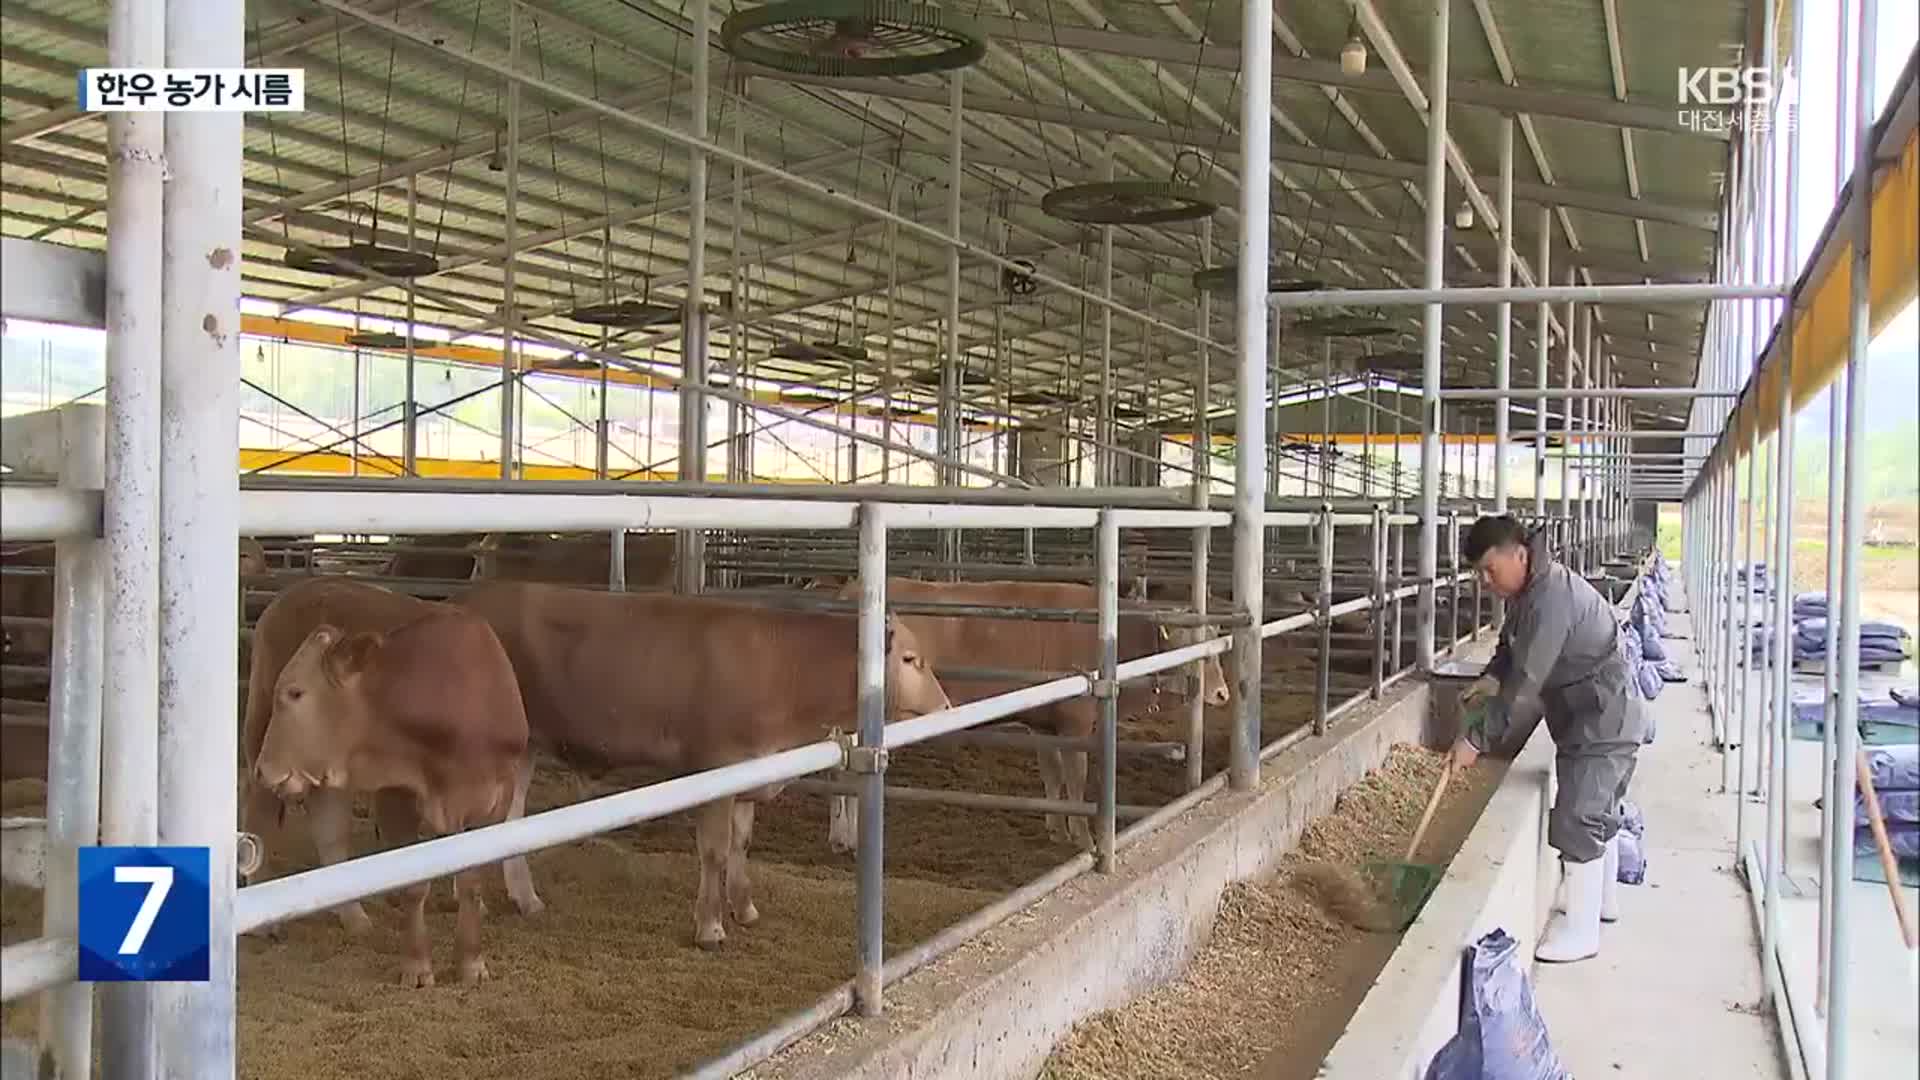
x=1279, y=978
x=606, y=981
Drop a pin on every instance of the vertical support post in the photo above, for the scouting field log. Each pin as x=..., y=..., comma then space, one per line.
x=870, y=901
x=617, y=561
x=410, y=407
x=1378, y=559
x=1326, y=413
x=1566, y=425
x=690, y=546
x=1834, y=852
x=1202, y=461
x=1107, y=569
x=1453, y=579
x=1323, y=671
x=199, y=521
x=1847, y=658
x=948, y=432
x=73, y=736
x=1743, y=641
x=1105, y=460
x=1399, y=535
x=1436, y=229
x=1590, y=361
x=603, y=431
x=129, y=734
x=893, y=290
x=1250, y=434
x=510, y=311
x=739, y=417
x=1542, y=343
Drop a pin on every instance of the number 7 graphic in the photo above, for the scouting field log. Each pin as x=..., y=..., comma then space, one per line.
x=159, y=881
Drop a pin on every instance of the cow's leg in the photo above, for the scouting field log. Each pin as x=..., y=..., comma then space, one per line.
x=1076, y=720
x=739, y=889
x=396, y=821
x=1050, y=778
x=713, y=840
x=466, y=932
x=329, y=820
x=417, y=969
x=518, y=876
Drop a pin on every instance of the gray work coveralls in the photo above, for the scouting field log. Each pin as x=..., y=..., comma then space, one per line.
x=1559, y=655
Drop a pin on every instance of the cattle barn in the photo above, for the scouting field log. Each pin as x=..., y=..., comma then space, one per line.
x=816, y=538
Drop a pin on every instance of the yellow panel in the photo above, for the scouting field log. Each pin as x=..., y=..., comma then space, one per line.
x=1822, y=328
x=333, y=464
x=311, y=333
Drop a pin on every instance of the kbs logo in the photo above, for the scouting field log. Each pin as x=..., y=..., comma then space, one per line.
x=1725, y=86
x=1728, y=97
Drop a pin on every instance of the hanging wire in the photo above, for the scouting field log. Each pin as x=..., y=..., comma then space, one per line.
x=446, y=192
x=386, y=114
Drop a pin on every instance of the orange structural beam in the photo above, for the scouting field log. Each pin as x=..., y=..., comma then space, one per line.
x=312, y=333
x=329, y=463
x=1823, y=326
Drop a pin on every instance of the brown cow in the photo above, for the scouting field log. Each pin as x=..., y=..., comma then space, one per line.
x=353, y=607
x=565, y=559
x=1027, y=645
x=691, y=683
x=429, y=709
x=575, y=560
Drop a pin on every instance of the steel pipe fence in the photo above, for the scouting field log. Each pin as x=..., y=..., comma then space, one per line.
x=48, y=963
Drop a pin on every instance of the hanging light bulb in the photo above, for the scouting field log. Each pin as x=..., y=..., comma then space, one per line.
x=1463, y=217
x=1353, y=58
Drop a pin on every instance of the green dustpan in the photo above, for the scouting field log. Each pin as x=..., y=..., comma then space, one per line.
x=1403, y=886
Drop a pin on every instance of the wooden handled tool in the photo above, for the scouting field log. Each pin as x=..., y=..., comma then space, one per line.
x=1888, y=866
x=1433, y=803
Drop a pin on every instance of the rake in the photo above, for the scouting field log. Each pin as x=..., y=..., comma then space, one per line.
x=1403, y=886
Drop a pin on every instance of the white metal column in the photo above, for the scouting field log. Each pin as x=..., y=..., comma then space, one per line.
x=199, y=521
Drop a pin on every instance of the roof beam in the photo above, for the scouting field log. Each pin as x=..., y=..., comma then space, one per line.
x=1543, y=101
x=1150, y=131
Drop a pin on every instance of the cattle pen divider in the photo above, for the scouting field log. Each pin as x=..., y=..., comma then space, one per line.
x=39, y=513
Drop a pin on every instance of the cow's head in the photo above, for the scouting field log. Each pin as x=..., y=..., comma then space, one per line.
x=1214, y=689
x=316, y=713
x=913, y=691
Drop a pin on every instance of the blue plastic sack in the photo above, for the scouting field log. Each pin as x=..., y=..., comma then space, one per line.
x=1894, y=768
x=1633, y=849
x=1651, y=649
x=1633, y=860
x=1502, y=1035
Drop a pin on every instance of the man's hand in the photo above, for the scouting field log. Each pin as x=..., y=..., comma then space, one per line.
x=1463, y=754
x=1485, y=686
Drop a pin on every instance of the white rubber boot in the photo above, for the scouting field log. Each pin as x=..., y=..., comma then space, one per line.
x=1560, y=890
x=1610, y=882
x=1575, y=935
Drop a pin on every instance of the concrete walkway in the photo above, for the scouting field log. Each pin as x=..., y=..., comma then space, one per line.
x=1675, y=990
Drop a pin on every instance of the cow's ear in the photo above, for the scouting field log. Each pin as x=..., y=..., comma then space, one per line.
x=349, y=656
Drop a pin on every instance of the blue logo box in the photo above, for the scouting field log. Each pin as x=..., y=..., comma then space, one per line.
x=144, y=914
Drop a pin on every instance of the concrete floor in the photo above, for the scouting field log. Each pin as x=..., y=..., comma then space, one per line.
x=1675, y=990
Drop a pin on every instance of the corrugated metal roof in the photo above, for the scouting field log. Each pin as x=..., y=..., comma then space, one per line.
x=825, y=266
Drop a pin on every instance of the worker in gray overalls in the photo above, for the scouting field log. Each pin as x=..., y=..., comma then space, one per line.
x=1559, y=656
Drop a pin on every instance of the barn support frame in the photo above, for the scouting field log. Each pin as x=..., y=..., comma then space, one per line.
x=194, y=1025
x=129, y=736
x=1250, y=462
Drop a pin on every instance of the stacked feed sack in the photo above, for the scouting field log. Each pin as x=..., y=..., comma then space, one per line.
x=1880, y=642
x=1896, y=780
x=1894, y=710
x=1646, y=673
